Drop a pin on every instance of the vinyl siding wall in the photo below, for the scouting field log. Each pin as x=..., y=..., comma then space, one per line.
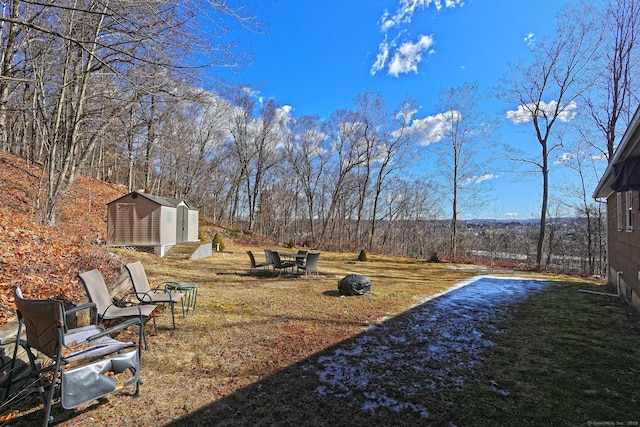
x=140, y=222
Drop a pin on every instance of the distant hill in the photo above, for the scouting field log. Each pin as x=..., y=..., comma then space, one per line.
x=44, y=261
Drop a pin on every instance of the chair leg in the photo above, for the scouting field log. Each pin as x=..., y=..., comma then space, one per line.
x=47, y=398
x=173, y=317
x=47, y=416
x=144, y=338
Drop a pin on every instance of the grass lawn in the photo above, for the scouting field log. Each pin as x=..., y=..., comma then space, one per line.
x=563, y=357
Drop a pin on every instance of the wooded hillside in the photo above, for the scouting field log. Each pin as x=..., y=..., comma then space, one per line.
x=44, y=261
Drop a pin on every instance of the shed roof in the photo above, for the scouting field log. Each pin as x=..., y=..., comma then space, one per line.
x=629, y=147
x=163, y=201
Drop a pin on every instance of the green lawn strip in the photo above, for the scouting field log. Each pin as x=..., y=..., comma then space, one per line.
x=565, y=358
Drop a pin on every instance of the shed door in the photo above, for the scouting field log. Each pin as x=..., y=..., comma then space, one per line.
x=182, y=225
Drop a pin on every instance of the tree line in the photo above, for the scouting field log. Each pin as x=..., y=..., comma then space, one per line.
x=121, y=91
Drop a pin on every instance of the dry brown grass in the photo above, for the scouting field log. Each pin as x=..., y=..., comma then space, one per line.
x=249, y=327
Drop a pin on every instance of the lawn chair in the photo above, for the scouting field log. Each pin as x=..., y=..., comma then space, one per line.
x=311, y=263
x=300, y=260
x=268, y=257
x=280, y=265
x=157, y=295
x=254, y=264
x=86, y=362
x=109, y=312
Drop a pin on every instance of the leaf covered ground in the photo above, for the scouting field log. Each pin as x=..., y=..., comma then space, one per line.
x=44, y=261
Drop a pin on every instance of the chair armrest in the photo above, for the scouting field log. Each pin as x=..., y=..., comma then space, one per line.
x=118, y=327
x=122, y=303
x=140, y=296
x=144, y=297
x=79, y=308
x=106, y=332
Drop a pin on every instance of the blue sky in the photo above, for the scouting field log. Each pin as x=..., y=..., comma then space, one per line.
x=316, y=56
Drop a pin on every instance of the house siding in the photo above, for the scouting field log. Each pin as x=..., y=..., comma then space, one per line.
x=624, y=247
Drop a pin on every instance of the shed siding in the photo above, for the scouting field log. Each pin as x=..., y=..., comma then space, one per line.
x=133, y=222
x=624, y=248
x=119, y=223
x=146, y=220
x=193, y=225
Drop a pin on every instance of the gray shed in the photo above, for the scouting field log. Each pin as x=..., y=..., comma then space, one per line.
x=148, y=221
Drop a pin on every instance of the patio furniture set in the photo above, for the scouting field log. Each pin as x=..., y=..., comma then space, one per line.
x=282, y=262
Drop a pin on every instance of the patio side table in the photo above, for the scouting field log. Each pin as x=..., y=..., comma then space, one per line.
x=190, y=291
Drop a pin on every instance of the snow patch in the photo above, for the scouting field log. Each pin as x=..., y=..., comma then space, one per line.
x=441, y=340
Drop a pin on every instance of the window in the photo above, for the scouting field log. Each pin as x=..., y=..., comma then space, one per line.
x=619, y=210
x=629, y=210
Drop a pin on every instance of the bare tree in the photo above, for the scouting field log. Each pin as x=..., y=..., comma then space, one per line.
x=615, y=71
x=255, y=142
x=580, y=158
x=346, y=134
x=307, y=153
x=546, y=91
x=464, y=169
x=388, y=141
x=72, y=45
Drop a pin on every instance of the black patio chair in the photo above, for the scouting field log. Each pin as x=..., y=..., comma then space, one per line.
x=85, y=363
x=280, y=265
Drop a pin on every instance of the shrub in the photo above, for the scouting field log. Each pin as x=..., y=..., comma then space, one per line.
x=362, y=256
x=433, y=257
x=201, y=236
x=217, y=239
x=291, y=244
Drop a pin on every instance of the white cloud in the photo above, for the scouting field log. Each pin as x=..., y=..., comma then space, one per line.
x=530, y=39
x=485, y=177
x=408, y=55
x=314, y=140
x=564, y=158
x=407, y=8
x=524, y=113
x=434, y=128
x=381, y=57
x=479, y=179
x=512, y=215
